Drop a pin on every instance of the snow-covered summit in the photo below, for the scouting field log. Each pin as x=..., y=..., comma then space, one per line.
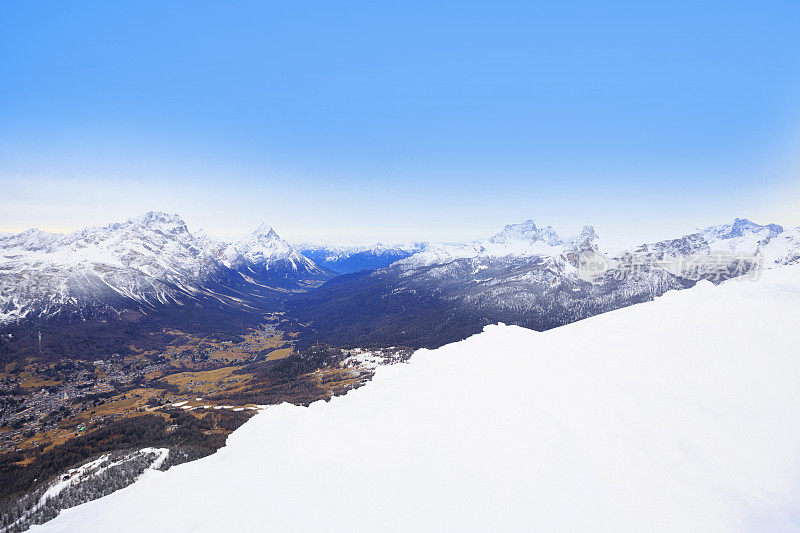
x=514, y=241
x=149, y=260
x=586, y=239
x=152, y=237
x=527, y=232
x=160, y=221
x=586, y=242
x=263, y=233
x=740, y=227
x=782, y=249
x=742, y=237
x=261, y=244
x=262, y=248
x=144, y=259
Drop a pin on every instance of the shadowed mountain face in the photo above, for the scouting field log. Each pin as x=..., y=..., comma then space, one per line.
x=151, y=273
x=92, y=291
x=434, y=305
x=527, y=276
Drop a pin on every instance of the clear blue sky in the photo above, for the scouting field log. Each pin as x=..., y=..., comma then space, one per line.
x=369, y=121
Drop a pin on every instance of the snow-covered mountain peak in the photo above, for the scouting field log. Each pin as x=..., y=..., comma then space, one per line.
x=202, y=236
x=32, y=239
x=263, y=249
x=151, y=259
x=584, y=243
x=742, y=236
x=587, y=238
x=527, y=231
x=261, y=244
x=264, y=231
x=516, y=240
x=145, y=259
x=782, y=249
x=740, y=227
x=156, y=220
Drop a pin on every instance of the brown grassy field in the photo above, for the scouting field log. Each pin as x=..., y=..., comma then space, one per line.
x=192, y=369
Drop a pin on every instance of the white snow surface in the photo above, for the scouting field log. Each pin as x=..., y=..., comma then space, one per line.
x=681, y=414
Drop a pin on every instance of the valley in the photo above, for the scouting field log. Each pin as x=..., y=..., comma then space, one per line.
x=200, y=387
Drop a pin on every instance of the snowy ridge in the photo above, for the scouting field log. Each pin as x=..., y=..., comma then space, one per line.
x=145, y=260
x=148, y=261
x=782, y=249
x=526, y=275
x=516, y=240
x=741, y=237
x=154, y=260
x=614, y=423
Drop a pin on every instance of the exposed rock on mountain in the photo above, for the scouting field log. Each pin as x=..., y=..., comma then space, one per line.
x=145, y=263
x=529, y=276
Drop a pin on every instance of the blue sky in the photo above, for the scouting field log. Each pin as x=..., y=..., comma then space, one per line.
x=384, y=121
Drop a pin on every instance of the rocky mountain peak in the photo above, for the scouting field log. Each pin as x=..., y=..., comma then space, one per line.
x=159, y=220
x=587, y=238
x=739, y=228
x=265, y=231
x=528, y=231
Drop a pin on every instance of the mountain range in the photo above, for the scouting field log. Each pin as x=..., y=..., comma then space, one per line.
x=145, y=263
x=526, y=275
x=407, y=295
x=352, y=258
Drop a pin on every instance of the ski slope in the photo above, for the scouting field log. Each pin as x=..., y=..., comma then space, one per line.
x=682, y=414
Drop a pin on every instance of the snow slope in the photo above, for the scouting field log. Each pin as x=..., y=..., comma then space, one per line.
x=681, y=414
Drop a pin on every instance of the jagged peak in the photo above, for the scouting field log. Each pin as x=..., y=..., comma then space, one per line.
x=30, y=232
x=158, y=219
x=264, y=230
x=738, y=228
x=31, y=239
x=260, y=245
x=587, y=238
x=528, y=231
